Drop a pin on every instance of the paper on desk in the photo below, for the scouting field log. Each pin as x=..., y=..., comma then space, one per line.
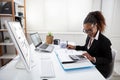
x=63, y=56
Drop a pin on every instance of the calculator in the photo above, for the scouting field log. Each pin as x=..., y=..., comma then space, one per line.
x=77, y=57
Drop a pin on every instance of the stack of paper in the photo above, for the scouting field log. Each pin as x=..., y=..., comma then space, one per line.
x=68, y=64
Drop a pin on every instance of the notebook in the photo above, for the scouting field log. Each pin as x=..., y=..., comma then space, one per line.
x=40, y=46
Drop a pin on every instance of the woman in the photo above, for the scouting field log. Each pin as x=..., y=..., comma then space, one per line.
x=97, y=46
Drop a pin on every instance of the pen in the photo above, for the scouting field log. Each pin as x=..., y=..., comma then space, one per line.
x=66, y=62
x=67, y=43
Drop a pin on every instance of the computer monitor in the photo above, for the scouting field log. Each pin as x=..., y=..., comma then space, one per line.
x=20, y=42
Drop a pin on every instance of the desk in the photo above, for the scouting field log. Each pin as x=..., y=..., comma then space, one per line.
x=9, y=72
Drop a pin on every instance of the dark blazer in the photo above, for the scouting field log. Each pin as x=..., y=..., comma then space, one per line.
x=101, y=50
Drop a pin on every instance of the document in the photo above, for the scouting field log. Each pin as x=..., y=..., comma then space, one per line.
x=68, y=63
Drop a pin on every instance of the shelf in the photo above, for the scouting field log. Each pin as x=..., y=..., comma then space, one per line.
x=10, y=15
x=20, y=6
x=5, y=0
x=3, y=30
x=9, y=44
x=20, y=17
x=6, y=15
x=8, y=56
x=17, y=6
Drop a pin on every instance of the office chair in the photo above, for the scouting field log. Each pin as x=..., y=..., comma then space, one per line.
x=111, y=64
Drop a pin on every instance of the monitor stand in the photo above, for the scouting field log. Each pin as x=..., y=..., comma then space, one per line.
x=20, y=64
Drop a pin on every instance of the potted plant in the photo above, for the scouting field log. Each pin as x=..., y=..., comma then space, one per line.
x=49, y=38
x=7, y=39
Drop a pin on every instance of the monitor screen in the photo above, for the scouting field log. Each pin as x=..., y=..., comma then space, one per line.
x=16, y=32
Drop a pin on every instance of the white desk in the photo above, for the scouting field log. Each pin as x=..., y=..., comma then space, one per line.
x=9, y=72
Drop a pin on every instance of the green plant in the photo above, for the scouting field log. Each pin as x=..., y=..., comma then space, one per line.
x=6, y=38
x=50, y=34
x=49, y=38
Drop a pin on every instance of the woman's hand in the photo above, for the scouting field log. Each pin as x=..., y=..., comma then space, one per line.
x=70, y=46
x=89, y=57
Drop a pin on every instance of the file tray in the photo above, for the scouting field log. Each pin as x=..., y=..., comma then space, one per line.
x=68, y=64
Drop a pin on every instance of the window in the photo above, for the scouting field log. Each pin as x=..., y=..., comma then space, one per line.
x=57, y=15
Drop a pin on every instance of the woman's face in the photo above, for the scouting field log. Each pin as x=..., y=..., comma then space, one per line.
x=90, y=29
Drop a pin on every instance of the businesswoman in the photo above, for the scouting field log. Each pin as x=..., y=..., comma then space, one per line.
x=97, y=46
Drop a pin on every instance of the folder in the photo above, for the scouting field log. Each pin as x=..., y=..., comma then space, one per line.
x=68, y=64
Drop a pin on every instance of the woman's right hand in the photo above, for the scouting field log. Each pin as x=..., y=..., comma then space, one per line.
x=70, y=46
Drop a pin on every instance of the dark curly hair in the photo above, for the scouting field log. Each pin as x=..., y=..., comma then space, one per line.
x=96, y=17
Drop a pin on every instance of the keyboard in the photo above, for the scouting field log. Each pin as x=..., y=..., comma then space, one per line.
x=44, y=46
x=47, y=69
